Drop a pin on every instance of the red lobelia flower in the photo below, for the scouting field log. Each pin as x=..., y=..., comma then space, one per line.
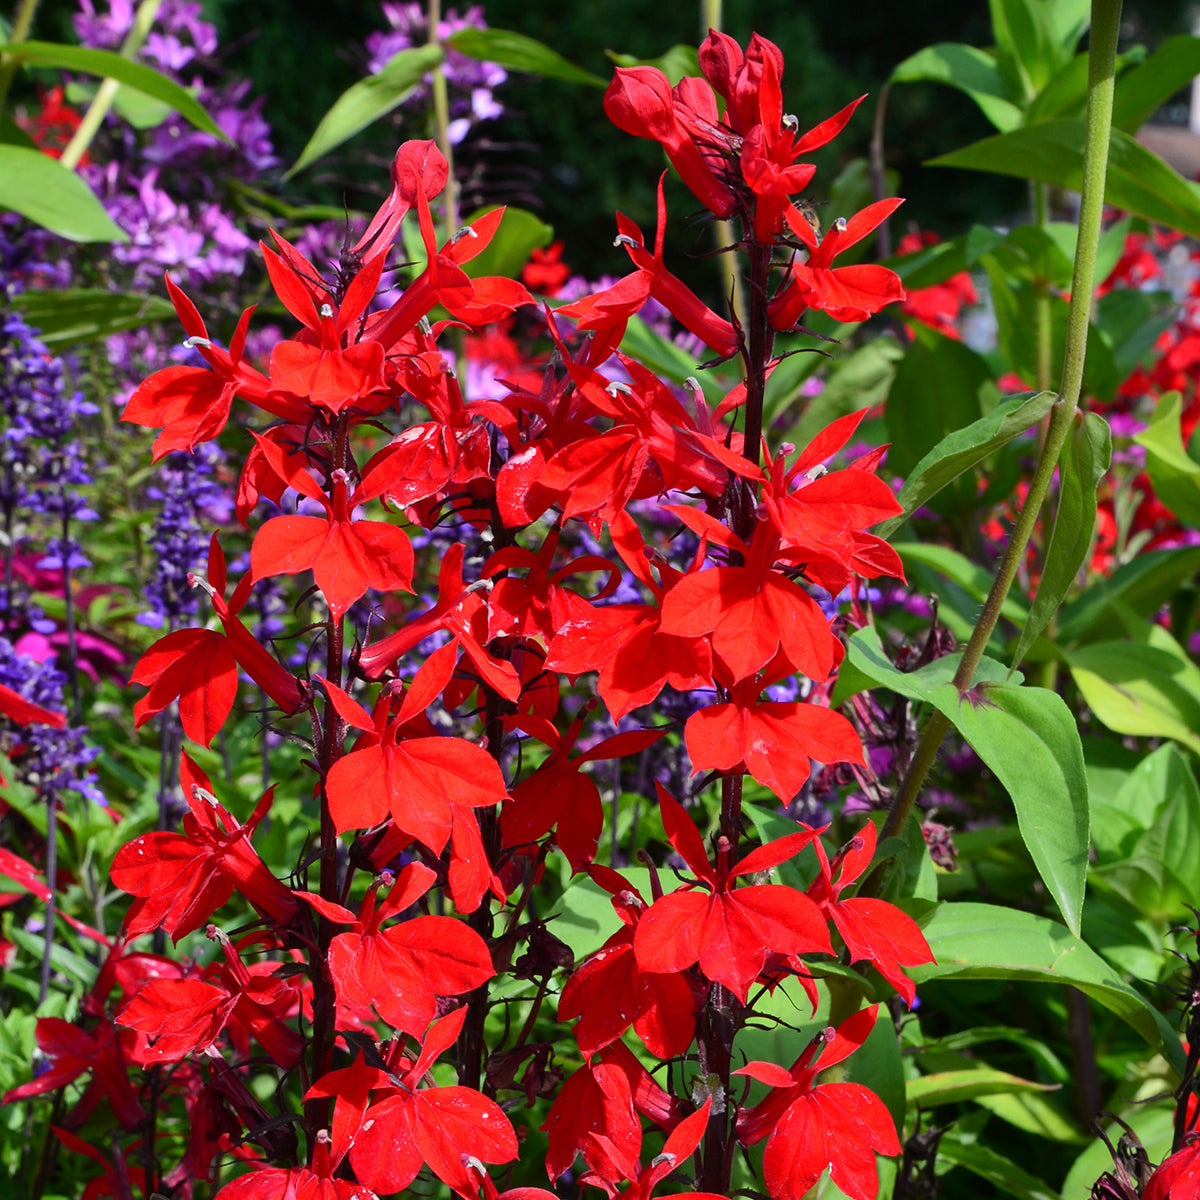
x=810, y=1127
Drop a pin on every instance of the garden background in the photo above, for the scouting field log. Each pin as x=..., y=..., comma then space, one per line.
x=719, y=575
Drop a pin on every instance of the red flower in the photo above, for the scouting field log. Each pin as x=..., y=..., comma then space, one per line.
x=845, y=293
x=180, y=880
x=402, y=970
x=731, y=931
x=1178, y=1178
x=346, y=556
x=840, y=1126
x=873, y=930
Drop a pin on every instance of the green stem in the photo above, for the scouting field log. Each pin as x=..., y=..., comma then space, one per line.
x=102, y=101
x=1044, y=348
x=441, y=119
x=22, y=24
x=1106, y=19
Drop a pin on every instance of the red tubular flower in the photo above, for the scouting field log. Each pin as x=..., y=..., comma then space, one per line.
x=840, y=1126
x=845, y=293
x=639, y=101
x=192, y=403
x=731, y=931
x=873, y=930
x=182, y=879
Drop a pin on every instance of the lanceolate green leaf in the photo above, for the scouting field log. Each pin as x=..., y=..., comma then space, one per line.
x=83, y=314
x=986, y=941
x=42, y=189
x=1142, y=91
x=970, y=70
x=367, y=101
x=952, y=1087
x=520, y=53
x=1137, y=180
x=106, y=64
x=1144, y=688
x=1174, y=473
x=1084, y=461
x=962, y=449
x=992, y=1166
x=1029, y=739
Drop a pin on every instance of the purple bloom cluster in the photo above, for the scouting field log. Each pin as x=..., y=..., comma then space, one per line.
x=192, y=499
x=470, y=83
x=45, y=759
x=187, y=230
x=42, y=468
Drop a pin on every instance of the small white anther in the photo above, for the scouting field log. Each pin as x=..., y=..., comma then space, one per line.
x=664, y=1157
x=840, y=224
x=617, y=386
x=790, y=123
x=326, y=310
x=816, y=472
x=459, y=234
x=623, y=239
x=425, y=326
x=192, y=342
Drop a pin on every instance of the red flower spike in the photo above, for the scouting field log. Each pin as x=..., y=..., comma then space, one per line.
x=772, y=741
x=873, y=930
x=731, y=931
x=402, y=970
x=346, y=556
x=840, y=1126
x=181, y=879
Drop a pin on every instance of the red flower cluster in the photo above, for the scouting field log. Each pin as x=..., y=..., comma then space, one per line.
x=516, y=619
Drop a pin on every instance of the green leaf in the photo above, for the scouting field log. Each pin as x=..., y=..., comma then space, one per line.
x=1084, y=461
x=988, y=941
x=1029, y=739
x=1137, y=181
x=108, y=65
x=940, y=386
x=857, y=380
x=1141, y=688
x=1034, y=40
x=962, y=449
x=677, y=63
x=1141, y=92
x=936, y=263
x=84, y=314
x=968, y=69
x=519, y=234
x=952, y=1087
x=1142, y=587
x=990, y=1165
x=42, y=189
x=367, y=101
x=1173, y=472
x=520, y=53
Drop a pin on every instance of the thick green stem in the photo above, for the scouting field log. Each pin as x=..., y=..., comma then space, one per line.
x=22, y=24
x=107, y=91
x=1106, y=19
